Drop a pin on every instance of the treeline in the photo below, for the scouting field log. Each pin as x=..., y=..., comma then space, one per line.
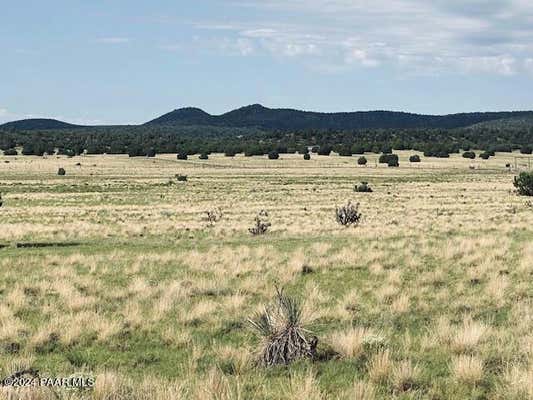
x=150, y=140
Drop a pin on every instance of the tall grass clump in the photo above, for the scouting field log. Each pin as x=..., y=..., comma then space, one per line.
x=282, y=328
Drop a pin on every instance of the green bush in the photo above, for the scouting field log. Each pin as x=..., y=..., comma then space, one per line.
x=363, y=188
x=415, y=158
x=362, y=161
x=526, y=149
x=469, y=154
x=273, y=155
x=384, y=158
x=61, y=172
x=181, y=178
x=524, y=183
x=324, y=150
x=390, y=159
x=204, y=156
x=182, y=156
x=11, y=152
x=484, y=156
x=307, y=156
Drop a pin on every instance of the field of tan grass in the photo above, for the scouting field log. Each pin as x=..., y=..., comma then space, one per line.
x=112, y=271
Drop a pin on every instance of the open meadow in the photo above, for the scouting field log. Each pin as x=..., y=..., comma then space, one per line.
x=112, y=271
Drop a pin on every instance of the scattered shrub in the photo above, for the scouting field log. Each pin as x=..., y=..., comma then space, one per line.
x=285, y=337
x=363, y=188
x=204, y=156
x=182, y=156
x=524, y=183
x=324, y=150
x=393, y=162
x=213, y=216
x=11, y=152
x=307, y=156
x=524, y=150
x=61, y=171
x=383, y=159
x=390, y=159
x=181, y=178
x=484, y=156
x=348, y=214
x=362, y=161
x=261, y=224
x=273, y=155
x=414, y=158
x=469, y=154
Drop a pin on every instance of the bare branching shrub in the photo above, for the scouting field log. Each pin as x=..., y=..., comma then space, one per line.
x=284, y=335
x=261, y=224
x=213, y=216
x=348, y=214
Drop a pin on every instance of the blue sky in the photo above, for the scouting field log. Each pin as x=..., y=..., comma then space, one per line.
x=100, y=62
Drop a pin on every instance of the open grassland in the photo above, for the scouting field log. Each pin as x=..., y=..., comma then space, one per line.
x=112, y=271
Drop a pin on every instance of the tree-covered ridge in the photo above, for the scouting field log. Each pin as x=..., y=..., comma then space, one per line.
x=287, y=120
x=37, y=124
x=151, y=139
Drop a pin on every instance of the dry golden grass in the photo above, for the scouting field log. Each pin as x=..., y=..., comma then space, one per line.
x=153, y=302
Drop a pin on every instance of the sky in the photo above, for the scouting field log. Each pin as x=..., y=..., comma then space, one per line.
x=118, y=61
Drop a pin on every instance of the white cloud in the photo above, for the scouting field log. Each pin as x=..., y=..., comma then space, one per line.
x=358, y=56
x=440, y=36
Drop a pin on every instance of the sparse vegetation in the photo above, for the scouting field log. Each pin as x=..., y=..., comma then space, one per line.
x=362, y=160
x=273, y=155
x=414, y=158
x=261, y=224
x=114, y=274
x=524, y=183
x=348, y=214
x=213, y=216
x=61, y=171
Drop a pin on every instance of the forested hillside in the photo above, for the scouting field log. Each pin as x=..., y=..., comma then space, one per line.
x=256, y=130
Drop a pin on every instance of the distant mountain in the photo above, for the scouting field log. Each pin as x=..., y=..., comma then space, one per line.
x=184, y=116
x=288, y=119
x=35, y=124
x=267, y=119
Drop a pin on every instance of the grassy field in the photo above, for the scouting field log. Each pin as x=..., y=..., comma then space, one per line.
x=112, y=271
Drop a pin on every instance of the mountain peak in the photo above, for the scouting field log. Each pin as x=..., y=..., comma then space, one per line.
x=38, y=124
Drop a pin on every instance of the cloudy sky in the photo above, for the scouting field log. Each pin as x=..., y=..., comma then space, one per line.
x=118, y=61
